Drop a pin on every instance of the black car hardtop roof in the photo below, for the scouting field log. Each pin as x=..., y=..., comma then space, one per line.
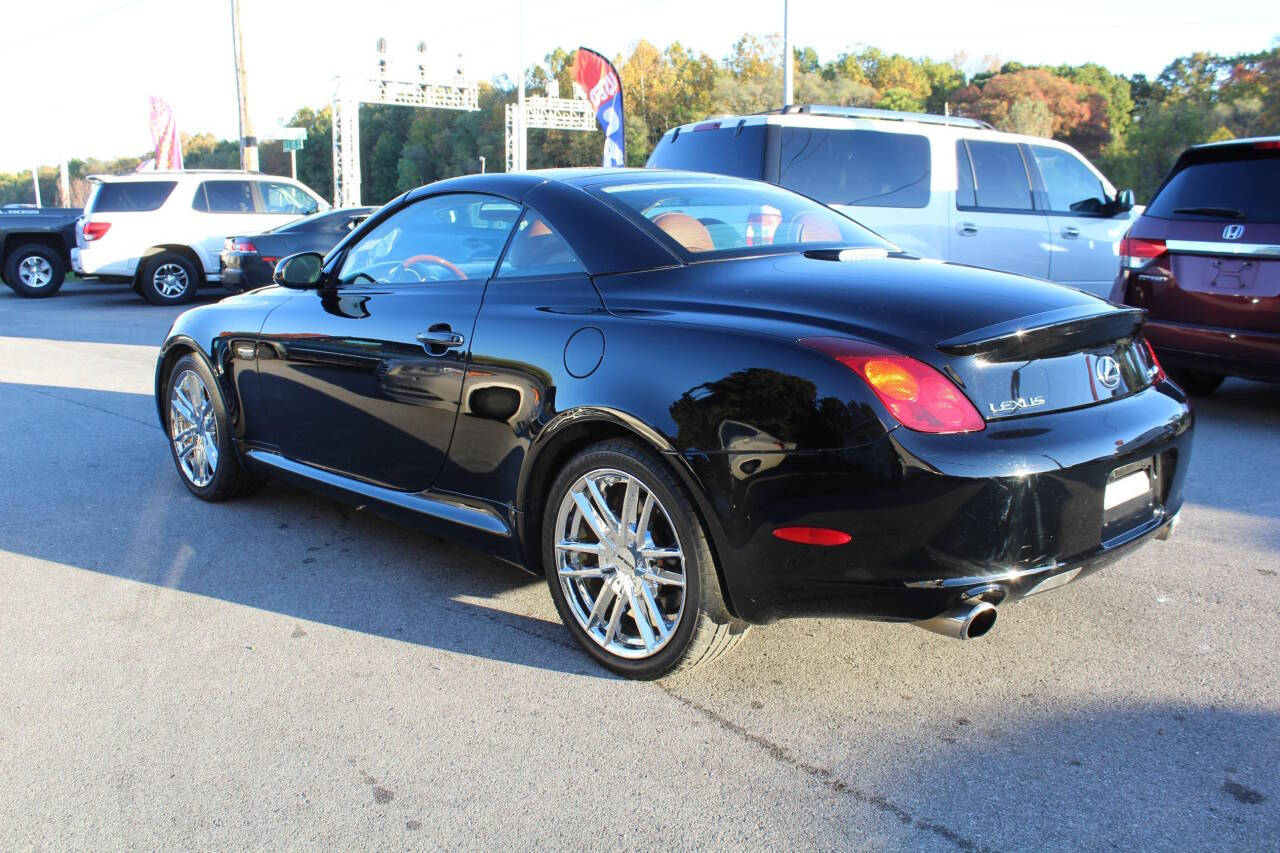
x=516, y=185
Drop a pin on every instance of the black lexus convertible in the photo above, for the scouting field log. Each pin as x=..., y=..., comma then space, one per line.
x=694, y=402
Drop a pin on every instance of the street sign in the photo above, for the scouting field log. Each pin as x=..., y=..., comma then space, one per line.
x=292, y=144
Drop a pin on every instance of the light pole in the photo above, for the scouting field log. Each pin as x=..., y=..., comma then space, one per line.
x=248, y=142
x=482, y=164
x=787, y=88
x=521, y=158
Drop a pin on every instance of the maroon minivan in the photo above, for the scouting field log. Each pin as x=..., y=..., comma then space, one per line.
x=1204, y=260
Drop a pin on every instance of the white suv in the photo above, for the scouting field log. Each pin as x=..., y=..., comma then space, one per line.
x=164, y=231
x=939, y=186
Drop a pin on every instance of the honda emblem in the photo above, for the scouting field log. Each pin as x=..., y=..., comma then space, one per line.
x=1233, y=232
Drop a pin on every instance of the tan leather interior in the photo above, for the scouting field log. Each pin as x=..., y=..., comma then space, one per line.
x=816, y=228
x=686, y=231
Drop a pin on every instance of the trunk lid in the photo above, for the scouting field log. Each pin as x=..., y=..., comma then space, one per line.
x=1218, y=215
x=1014, y=345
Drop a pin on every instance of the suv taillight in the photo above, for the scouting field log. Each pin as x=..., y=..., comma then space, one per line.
x=919, y=396
x=1137, y=252
x=1155, y=372
x=95, y=230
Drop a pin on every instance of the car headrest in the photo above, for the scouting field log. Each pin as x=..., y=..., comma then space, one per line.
x=686, y=231
x=816, y=228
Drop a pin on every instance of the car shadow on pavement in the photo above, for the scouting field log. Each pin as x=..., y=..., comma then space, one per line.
x=124, y=512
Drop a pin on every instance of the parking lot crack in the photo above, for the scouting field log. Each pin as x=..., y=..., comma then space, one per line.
x=826, y=777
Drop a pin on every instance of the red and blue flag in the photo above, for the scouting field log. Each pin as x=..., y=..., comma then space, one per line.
x=599, y=79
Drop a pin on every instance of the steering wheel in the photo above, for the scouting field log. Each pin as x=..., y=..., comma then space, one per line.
x=431, y=259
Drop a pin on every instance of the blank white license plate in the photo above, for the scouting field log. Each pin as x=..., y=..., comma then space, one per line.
x=1128, y=488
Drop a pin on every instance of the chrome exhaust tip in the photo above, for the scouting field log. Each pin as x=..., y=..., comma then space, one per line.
x=966, y=622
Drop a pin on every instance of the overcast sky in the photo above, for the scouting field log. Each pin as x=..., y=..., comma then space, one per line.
x=78, y=72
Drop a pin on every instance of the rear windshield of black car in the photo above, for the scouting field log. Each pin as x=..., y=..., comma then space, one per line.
x=724, y=150
x=132, y=197
x=1230, y=184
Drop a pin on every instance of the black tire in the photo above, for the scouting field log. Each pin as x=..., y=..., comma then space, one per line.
x=168, y=279
x=1194, y=382
x=35, y=271
x=705, y=628
x=229, y=476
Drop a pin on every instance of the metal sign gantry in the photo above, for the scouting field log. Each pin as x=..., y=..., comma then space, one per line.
x=549, y=113
x=350, y=92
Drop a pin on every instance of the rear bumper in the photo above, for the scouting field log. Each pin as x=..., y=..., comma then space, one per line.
x=88, y=260
x=1230, y=352
x=938, y=520
x=243, y=271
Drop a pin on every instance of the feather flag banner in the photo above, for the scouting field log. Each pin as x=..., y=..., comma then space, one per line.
x=164, y=133
x=599, y=79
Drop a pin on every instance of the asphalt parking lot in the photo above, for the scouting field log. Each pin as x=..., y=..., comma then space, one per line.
x=286, y=672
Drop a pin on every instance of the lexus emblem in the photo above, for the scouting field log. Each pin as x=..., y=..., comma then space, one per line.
x=1107, y=369
x=1233, y=232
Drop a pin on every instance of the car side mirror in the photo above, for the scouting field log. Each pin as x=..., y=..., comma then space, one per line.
x=299, y=272
x=1124, y=201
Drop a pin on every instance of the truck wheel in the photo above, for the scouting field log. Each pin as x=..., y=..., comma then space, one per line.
x=169, y=279
x=34, y=271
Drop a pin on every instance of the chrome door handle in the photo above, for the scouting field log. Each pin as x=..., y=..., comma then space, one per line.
x=966, y=229
x=440, y=338
x=1070, y=232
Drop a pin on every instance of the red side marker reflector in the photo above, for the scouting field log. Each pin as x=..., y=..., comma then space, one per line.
x=813, y=535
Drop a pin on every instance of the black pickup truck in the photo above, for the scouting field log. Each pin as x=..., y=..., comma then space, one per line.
x=35, y=247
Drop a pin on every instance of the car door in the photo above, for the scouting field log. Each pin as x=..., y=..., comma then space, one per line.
x=362, y=377
x=222, y=209
x=1084, y=228
x=995, y=223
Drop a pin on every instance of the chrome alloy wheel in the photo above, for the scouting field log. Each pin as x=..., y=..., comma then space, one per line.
x=193, y=428
x=35, y=272
x=170, y=280
x=620, y=563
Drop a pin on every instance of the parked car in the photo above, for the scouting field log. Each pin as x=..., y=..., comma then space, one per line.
x=164, y=231
x=940, y=186
x=1204, y=260
x=249, y=262
x=687, y=431
x=35, y=247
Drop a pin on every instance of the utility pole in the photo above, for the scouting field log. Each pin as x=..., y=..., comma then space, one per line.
x=66, y=184
x=35, y=182
x=522, y=157
x=787, y=88
x=248, y=142
x=482, y=164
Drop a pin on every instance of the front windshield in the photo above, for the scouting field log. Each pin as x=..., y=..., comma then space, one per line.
x=727, y=218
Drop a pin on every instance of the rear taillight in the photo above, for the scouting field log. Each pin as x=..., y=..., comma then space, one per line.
x=95, y=230
x=1137, y=252
x=1268, y=145
x=920, y=397
x=243, y=246
x=1154, y=372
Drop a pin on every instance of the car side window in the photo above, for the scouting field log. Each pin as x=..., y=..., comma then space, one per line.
x=537, y=249
x=1000, y=180
x=444, y=238
x=856, y=167
x=225, y=197
x=1071, y=186
x=286, y=198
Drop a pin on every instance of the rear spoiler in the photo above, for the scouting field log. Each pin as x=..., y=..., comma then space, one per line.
x=1059, y=331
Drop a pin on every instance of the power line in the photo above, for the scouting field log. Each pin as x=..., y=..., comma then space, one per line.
x=62, y=29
